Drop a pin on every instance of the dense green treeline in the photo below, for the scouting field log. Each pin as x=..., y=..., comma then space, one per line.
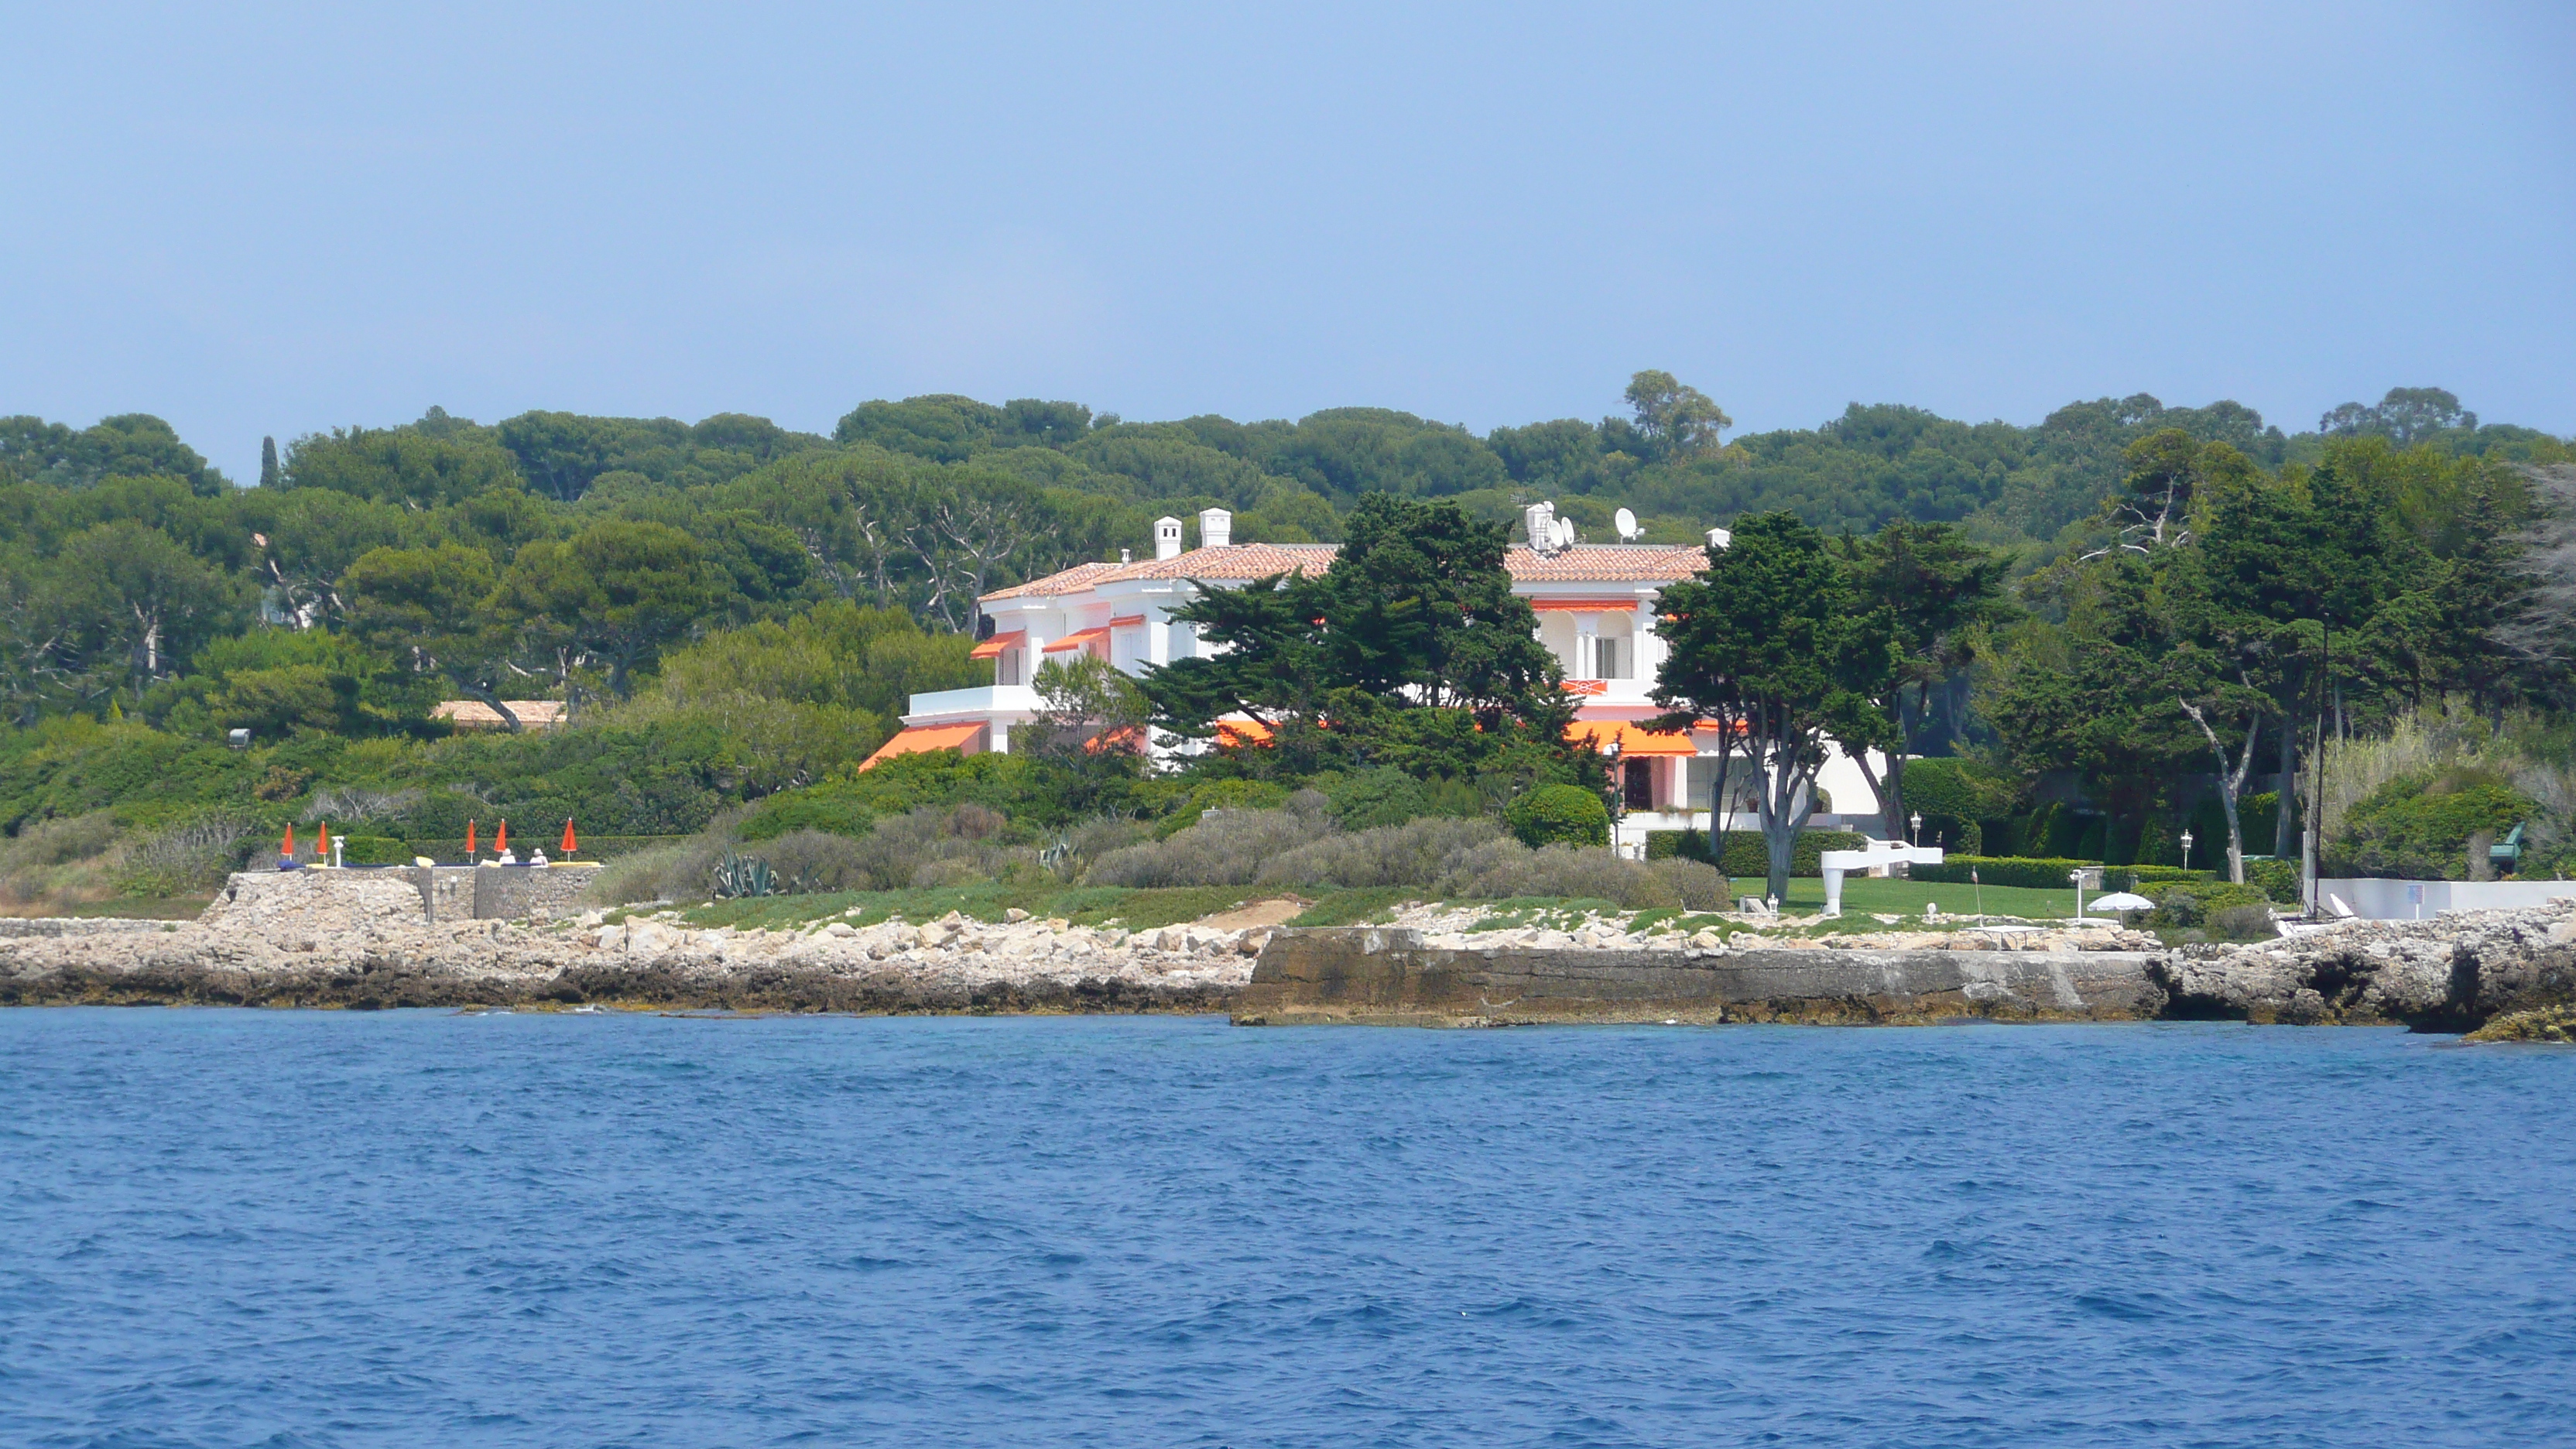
x=734, y=609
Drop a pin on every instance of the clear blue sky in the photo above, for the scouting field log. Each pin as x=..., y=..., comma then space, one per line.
x=273, y=219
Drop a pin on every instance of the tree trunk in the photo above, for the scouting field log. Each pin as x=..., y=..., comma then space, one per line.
x=1788, y=802
x=2230, y=783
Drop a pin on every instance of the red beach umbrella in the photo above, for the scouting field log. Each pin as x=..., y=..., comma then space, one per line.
x=469, y=840
x=569, y=843
x=287, y=846
x=501, y=836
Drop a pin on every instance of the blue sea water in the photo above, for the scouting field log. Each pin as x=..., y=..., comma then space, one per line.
x=418, y=1228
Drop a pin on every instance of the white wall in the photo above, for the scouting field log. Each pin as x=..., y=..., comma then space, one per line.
x=2421, y=900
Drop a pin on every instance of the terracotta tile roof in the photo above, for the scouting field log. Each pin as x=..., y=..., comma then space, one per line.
x=1585, y=563
x=1607, y=563
x=1071, y=581
x=1234, y=561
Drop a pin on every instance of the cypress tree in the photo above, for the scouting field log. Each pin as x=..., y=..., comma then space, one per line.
x=268, y=475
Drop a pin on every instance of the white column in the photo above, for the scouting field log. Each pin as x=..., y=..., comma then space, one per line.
x=1158, y=636
x=1587, y=647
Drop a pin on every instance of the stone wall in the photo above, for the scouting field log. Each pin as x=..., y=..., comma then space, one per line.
x=1390, y=976
x=23, y=927
x=360, y=896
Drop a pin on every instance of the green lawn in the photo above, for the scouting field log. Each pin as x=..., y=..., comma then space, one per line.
x=1865, y=895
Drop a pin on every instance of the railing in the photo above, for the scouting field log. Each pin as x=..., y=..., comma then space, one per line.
x=986, y=700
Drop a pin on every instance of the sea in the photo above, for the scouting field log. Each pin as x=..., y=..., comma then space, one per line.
x=224, y=1227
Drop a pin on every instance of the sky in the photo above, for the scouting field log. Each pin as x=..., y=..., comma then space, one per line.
x=273, y=219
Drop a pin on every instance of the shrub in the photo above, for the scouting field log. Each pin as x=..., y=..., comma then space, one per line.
x=2037, y=874
x=2197, y=904
x=189, y=859
x=1559, y=815
x=1698, y=885
x=1225, y=847
x=675, y=872
x=2277, y=879
x=816, y=860
x=2242, y=923
x=1415, y=853
x=2139, y=877
x=1955, y=797
x=2415, y=828
x=1221, y=795
x=56, y=842
x=374, y=850
x=1746, y=852
x=1503, y=868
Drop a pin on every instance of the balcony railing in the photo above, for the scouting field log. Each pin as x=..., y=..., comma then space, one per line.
x=990, y=699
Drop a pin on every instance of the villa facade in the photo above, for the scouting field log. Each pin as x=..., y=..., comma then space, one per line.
x=1596, y=612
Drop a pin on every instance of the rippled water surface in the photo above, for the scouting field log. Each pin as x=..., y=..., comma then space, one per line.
x=284, y=1228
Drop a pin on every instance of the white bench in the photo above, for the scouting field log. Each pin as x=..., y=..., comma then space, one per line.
x=1875, y=854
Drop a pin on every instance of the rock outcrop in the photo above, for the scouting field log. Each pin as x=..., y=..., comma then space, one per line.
x=2451, y=973
x=364, y=942
x=364, y=946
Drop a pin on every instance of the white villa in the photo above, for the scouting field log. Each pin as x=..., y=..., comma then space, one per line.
x=1596, y=611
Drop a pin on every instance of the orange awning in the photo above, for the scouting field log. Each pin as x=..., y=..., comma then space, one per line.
x=992, y=648
x=1634, y=741
x=1127, y=621
x=1078, y=639
x=1242, y=732
x=1584, y=686
x=1584, y=606
x=929, y=737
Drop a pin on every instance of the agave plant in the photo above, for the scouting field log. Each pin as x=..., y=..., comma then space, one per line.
x=739, y=876
x=1057, y=855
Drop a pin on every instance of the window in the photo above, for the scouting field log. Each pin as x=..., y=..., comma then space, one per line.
x=1609, y=656
x=1640, y=784
x=1006, y=667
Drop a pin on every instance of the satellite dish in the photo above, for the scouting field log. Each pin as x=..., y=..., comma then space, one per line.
x=1627, y=525
x=1565, y=533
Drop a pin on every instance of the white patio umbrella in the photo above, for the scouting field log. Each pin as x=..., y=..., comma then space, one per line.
x=2123, y=901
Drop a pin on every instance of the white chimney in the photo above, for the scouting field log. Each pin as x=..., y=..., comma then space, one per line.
x=1216, y=528
x=1167, y=537
x=1539, y=519
x=1719, y=538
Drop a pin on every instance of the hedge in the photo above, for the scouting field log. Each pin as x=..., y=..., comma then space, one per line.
x=2007, y=870
x=1747, y=855
x=2139, y=877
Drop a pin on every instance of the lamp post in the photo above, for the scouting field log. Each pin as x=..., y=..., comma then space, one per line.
x=2186, y=848
x=1916, y=836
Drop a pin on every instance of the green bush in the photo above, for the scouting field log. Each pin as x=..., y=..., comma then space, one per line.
x=1955, y=798
x=374, y=850
x=2277, y=879
x=2186, y=905
x=1746, y=852
x=1559, y=815
x=851, y=804
x=2414, y=828
x=2139, y=877
x=2041, y=874
x=1210, y=795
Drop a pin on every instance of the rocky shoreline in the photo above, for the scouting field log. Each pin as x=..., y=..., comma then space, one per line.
x=272, y=941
